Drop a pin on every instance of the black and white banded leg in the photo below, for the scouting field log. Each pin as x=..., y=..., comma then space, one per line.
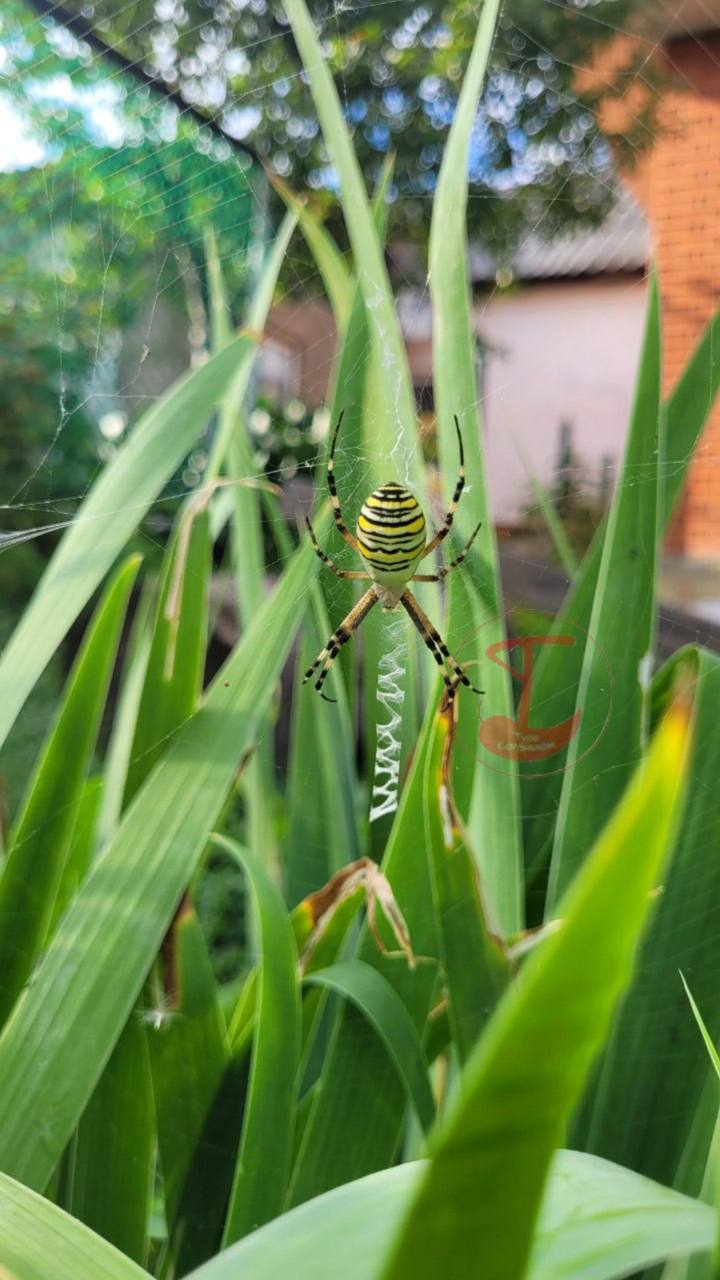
x=437, y=647
x=443, y=533
x=445, y=570
x=339, y=637
x=334, y=499
x=355, y=574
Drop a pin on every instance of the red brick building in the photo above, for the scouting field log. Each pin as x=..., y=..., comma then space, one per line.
x=677, y=183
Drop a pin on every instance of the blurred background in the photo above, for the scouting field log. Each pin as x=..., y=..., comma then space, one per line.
x=126, y=130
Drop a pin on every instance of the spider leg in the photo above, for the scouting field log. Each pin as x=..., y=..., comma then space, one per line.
x=436, y=645
x=337, y=513
x=339, y=573
x=339, y=637
x=443, y=573
x=443, y=533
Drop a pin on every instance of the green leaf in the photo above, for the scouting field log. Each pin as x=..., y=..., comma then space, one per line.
x=132, y=681
x=233, y=392
x=494, y=816
x=563, y=547
x=324, y=736
x=62, y=1031
x=122, y=1103
x=396, y=426
x=112, y=1161
x=328, y=259
x=386, y=1013
x=606, y=747
x=38, y=1240
x=175, y=665
x=482, y=1191
x=557, y=670
x=358, y=1095
x=188, y=1053
x=655, y=1064
x=39, y=845
x=686, y=412
x=113, y=508
x=82, y=846
x=263, y=1161
x=597, y=1222
x=232, y=450
x=476, y=970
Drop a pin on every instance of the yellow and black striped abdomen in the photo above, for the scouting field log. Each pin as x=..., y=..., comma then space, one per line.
x=391, y=531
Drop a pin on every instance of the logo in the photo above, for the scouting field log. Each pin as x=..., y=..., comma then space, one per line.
x=536, y=733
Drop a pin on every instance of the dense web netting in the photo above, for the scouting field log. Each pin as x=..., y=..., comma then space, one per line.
x=108, y=190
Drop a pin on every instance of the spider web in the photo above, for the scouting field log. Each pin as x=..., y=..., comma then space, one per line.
x=127, y=362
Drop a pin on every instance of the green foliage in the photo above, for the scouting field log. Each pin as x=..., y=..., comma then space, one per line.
x=542, y=159
x=115, y=193
x=381, y=1008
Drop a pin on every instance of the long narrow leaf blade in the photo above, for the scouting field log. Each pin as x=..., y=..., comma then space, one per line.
x=117, y=1135
x=557, y=672
x=35, y=1236
x=114, y=507
x=63, y=1029
x=494, y=816
x=655, y=1064
x=396, y=403
x=385, y=1011
x=482, y=1191
x=263, y=1162
x=597, y=1222
x=607, y=746
x=39, y=846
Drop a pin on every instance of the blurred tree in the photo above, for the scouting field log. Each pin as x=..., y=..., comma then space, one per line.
x=538, y=155
x=105, y=201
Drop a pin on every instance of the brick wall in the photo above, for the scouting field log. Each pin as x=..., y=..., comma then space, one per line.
x=678, y=184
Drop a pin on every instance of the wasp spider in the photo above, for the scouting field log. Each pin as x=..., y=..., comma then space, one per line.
x=391, y=539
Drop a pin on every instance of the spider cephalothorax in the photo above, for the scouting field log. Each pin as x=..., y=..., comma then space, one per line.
x=391, y=540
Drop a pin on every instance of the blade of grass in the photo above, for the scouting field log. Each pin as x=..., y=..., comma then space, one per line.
x=482, y=1190
x=322, y=825
x=117, y=756
x=38, y=847
x=82, y=846
x=557, y=671
x=358, y=1096
x=329, y=261
x=263, y=1160
x=686, y=412
x=231, y=450
x=493, y=821
x=117, y=1130
x=189, y=1053
x=396, y=427
x=386, y=1013
x=708, y=1267
x=654, y=1064
x=597, y=1222
x=113, y=1153
x=111, y=511
x=176, y=661
x=605, y=749
x=233, y=392
x=476, y=969
x=62, y=1031
x=35, y=1235
x=555, y=527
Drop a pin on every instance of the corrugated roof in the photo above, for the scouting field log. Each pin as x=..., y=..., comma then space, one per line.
x=620, y=243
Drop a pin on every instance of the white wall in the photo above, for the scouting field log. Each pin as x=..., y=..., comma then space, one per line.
x=562, y=350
